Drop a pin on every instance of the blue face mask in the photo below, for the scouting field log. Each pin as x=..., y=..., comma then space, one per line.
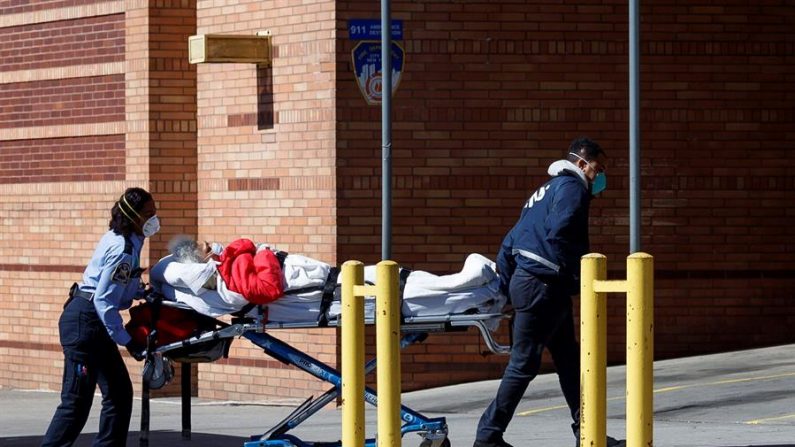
x=599, y=183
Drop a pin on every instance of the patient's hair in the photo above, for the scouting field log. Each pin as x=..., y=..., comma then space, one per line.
x=185, y=249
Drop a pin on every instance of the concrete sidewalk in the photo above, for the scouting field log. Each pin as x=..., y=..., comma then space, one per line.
x=736, y=399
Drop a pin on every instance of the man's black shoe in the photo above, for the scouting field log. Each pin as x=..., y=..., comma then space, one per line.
x=611, y=442
x=499, y=443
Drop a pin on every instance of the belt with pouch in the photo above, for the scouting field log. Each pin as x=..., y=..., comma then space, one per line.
x=75, y=291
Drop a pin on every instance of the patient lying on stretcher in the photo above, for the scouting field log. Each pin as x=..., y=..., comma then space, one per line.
x=225, y=280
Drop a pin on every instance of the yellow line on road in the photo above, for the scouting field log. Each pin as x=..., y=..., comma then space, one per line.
x=763, y=420
x=556, y=407
x=541, y=410
x=750, y=379
x=682, y=387
x=723, y=382
x=671, y=388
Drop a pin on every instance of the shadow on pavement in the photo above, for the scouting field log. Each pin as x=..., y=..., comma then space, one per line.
x=171, y=438
x=156, y=439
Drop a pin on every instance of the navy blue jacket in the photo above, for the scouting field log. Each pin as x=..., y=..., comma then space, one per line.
x=551, y=235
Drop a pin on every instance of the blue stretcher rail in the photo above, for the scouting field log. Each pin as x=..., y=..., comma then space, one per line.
x=433, y=431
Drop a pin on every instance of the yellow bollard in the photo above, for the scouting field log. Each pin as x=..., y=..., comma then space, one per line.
x=387, y=325
x=352, y=356
x=640, y=349
x=593, y=352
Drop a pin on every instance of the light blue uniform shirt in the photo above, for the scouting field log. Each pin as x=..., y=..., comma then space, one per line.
x=111, y=277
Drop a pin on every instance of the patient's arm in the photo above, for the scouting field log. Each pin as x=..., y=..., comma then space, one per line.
x=261, y=279
x=257, y=276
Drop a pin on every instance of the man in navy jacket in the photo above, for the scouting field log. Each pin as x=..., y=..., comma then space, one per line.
x=539, y=264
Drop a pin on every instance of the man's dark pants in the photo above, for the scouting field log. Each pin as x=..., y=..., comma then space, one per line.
x=543, y=318
x=91, y=358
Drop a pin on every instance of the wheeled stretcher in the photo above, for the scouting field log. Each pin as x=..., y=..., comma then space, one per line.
x=211, y=339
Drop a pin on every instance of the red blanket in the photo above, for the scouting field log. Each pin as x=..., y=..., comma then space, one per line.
x=256, y=276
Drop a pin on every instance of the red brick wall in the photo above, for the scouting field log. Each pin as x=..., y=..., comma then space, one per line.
x=492, y=92
x=27, y=6
x=74, y=133
x=169, y=120
x=62, y=101
x=65, y=42
x=62, y=159
x=722, y=313
x=173, y=161
x=266, y=150
x=62, y=151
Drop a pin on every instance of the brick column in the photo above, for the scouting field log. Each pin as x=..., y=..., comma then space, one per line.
x=161, y=118
x=172, y=119
x=161, y=112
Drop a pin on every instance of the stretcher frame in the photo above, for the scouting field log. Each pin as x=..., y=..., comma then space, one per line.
x=433, y=431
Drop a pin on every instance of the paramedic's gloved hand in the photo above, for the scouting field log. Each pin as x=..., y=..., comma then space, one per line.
x=137, y=351
x=142, y=292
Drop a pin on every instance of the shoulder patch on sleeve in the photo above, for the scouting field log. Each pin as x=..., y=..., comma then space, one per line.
x=122, y=273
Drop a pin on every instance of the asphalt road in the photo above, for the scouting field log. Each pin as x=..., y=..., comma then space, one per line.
x=739, y=399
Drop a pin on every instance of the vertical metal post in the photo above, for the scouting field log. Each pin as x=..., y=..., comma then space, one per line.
x=388, y=354
x=593, y=353
x=634, y=126
x=185, y=370
x=640, y=349
x=386, y=130
x=143, y=439
x=352, y=356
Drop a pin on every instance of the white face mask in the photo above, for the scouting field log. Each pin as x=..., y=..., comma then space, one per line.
x=151, y=226
x=216, y=249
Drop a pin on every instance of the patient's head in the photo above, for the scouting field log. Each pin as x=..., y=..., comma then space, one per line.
x=190, y=251
x=186, y=250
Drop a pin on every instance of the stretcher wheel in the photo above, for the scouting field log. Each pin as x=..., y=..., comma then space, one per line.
x=429, y=443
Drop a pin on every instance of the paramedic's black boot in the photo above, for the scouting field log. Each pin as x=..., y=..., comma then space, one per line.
x=499, y=443
x=611, y=442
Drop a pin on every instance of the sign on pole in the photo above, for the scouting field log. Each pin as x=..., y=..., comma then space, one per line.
x=366, y=57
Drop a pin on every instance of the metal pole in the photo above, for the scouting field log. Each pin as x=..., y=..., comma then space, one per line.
x=143, y=439
x=352, y=356
x=634, y=129
x=387, y=327
x=185, y=370
x=386, y=130
x=640, y=349
x=593, y=353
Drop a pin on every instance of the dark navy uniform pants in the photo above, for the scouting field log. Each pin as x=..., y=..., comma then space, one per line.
x=543, y=318
x=91, y=358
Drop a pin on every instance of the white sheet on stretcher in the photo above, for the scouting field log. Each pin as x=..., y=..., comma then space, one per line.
x=473, y=290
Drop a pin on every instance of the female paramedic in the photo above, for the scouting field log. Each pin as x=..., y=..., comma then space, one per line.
x=90, y=327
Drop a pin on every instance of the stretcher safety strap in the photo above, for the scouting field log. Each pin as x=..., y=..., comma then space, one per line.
x=281, y=256
x=404, y=276
x=328, y=296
